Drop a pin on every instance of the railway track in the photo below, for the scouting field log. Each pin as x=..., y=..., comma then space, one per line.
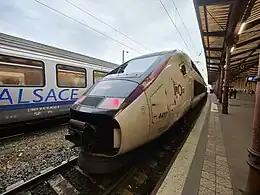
x=67, y=178
x=35, y=182
x=141, y=177
x=15, y=130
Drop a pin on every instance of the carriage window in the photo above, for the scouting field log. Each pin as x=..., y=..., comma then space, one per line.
x=69, y=76
x=98, y=75
x=15, y=71
x=183, y=69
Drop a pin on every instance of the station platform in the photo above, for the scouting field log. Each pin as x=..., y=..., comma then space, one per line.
x=213, y=159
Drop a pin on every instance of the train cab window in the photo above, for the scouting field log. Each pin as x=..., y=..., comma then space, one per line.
x=98, y=75
x=70, y=76
x=139, y=65
x=183, y=69
x=16, y=71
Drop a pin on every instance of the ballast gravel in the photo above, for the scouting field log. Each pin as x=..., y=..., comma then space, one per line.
x=24, y=157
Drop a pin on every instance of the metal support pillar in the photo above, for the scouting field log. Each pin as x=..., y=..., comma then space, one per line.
x=253, y=181
x=217, y=87
x=226, y=82
x=219, y=80
x=123, y=56
x=221, y=83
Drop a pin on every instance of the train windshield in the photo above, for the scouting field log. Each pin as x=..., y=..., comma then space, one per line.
x=136, y=66
x=113, y=88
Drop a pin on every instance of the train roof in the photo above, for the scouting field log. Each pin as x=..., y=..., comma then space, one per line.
x=155, y=54
x=20, y=43
x=170, y=52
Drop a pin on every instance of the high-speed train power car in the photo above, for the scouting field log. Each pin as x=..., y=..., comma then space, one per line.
x=134, y=104
x=39, y=81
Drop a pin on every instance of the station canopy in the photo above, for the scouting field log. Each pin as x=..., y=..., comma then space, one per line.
x=223, y=20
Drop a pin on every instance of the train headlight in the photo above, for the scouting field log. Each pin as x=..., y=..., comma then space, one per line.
x=117, y=138
x=111, y=103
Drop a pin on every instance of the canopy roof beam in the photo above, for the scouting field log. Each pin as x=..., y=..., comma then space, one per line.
x=214, y=2
x=215, y=33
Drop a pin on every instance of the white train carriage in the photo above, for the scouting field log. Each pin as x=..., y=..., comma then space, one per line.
x=136, y=102
x=39, y=81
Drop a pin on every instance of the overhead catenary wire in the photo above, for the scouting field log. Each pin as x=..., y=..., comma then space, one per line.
x=108, y=25
x=85, y=25
x=184, y=27
x=183, y=23
x=173, y=23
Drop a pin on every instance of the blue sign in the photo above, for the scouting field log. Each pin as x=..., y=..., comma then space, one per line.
x=37, y=96
x=251, y=78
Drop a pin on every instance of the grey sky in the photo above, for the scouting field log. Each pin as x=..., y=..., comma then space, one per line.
x=145, y=21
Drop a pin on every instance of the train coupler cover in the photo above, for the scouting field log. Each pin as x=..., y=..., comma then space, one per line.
x=79, y=132
x=76, y=131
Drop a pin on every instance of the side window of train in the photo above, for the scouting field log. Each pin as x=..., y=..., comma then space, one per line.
x=115, y=70
x=71, y=76
x=16, y=71
x=98, y=75
x=195, y=68
x=183, y=69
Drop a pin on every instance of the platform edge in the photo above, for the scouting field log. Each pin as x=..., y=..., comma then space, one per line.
x=174, y=179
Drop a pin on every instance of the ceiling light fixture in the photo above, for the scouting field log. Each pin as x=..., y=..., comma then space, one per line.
x=232, y=49
x=241, y=28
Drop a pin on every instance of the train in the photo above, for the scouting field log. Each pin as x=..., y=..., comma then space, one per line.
x=38, y=81
x=132, y=105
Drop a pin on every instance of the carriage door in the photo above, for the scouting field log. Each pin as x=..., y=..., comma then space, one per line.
x=159, y=111
x=169, y=82
x=187, y=83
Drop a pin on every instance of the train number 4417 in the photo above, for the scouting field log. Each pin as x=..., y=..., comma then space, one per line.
x=163, y=114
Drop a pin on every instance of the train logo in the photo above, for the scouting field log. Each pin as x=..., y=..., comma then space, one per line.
x=179, y=90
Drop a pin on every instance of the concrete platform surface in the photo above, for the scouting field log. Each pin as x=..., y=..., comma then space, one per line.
x=175, y=180
x=213, y=159
x=237, y=132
